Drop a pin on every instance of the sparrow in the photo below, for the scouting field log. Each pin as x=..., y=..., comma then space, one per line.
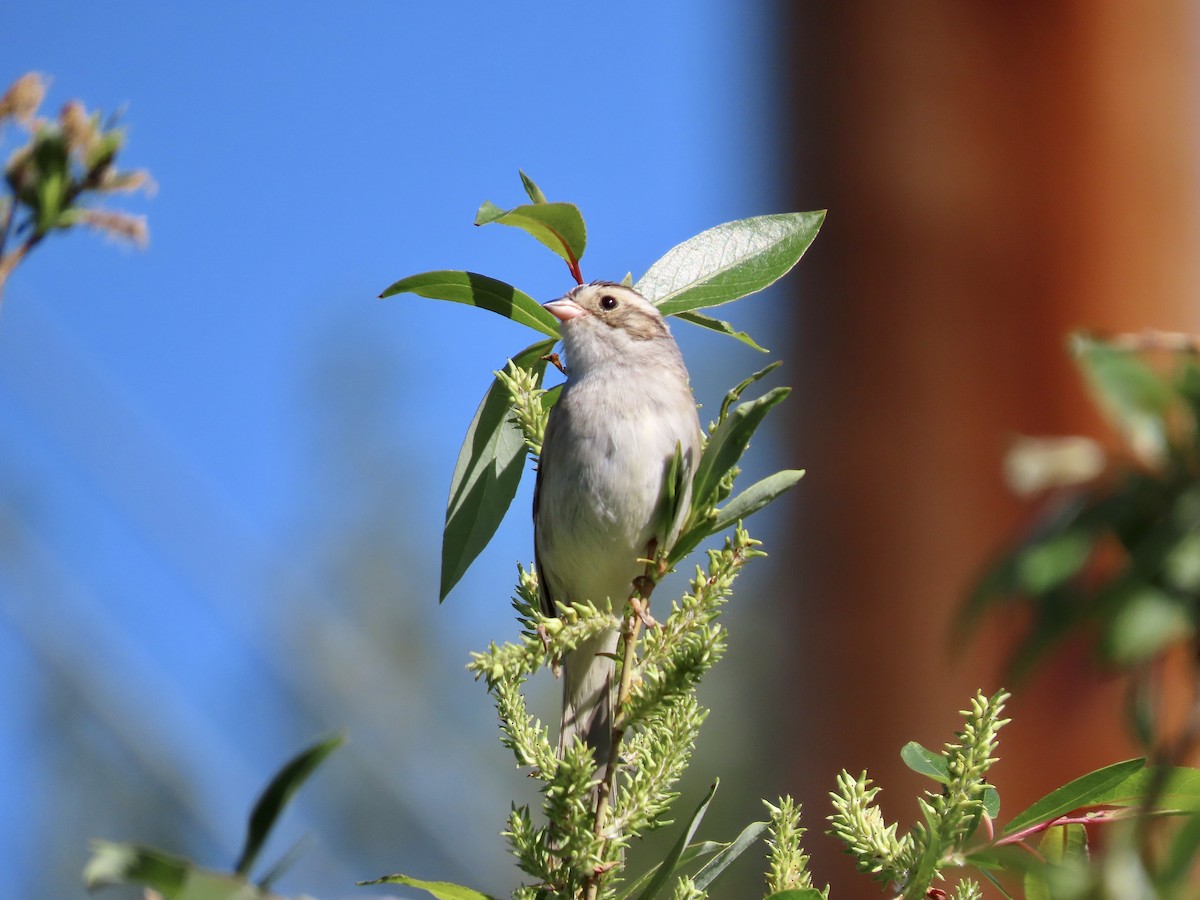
x=626, y=407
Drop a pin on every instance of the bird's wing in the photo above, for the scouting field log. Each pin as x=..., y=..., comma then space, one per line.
x=545, y=592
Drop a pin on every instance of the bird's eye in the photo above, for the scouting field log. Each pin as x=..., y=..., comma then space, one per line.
x=608, y=301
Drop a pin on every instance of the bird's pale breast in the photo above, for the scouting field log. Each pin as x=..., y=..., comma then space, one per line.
x=595, y=519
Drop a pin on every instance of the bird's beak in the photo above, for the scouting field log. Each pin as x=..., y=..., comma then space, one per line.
x=565, y=310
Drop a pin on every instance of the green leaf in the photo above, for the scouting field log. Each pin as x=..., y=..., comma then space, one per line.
x=277, y=796
x=532, y=190
x=53, y=176
x=478, y=290
x=172, y=877
x=729, y=261
x=755, y=498
x=1102, y=786
x=721, y=326
x=991, y=802
x=1180, y=858
x=925, y=762
x=1043, y=566
x=671, y=862
x=735, y=393
x=1128, y=391
x=673, y=490
x=115, y=863
x=442, y=890
x=798, y=894
x=1181, y=568
x=1180, y=791
x=202, y=885
x=695, y=851
x=486, y=475
x=1059, y=845
x=1146, y=624
x=559, y=226
x=729, y=441
x=713, y=869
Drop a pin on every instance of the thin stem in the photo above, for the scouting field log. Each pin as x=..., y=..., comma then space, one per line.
x=1103, y=815
x=9, y=262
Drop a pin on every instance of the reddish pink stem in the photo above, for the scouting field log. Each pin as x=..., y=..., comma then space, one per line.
x=1103, y=815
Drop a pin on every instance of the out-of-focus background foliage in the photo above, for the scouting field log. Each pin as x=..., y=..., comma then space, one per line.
x=997, y=176
x=223, y=463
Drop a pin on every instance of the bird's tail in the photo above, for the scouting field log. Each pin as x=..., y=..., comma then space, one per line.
x=587, y=708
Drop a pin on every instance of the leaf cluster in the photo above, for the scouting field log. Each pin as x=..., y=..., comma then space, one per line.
x=952, y=814
x=1114, y=551
x=53, y=178
x=958, y=831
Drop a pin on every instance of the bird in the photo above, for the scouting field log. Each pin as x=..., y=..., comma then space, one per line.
x=625, y=411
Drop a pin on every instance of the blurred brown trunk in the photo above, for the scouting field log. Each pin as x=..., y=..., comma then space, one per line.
x=996, y=175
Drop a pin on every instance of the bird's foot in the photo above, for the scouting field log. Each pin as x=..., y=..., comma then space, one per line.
x=641, y=608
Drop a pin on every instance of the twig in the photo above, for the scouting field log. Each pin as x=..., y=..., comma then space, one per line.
x=9, y=262
x=1102, y=815
x=636, y=611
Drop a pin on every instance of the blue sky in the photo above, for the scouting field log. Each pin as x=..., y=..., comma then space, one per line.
x=166, y=458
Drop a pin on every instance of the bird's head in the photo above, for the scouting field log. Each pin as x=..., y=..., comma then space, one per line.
x=604, y=321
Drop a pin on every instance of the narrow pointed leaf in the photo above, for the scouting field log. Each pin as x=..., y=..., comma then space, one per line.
x=486, y=475
x=729, y=261
x=532, y=190
x=671, y=863
x=559, y=226
x=755, y=498
x=992, y=880
x=925, y=762
x=735, y=393
x=713, y=869
x=674, y=488
x=721, y=326
x=730, y=439
x=1098, y=787
x=478, y=290
x=488, y=212
x=1179, y=793
x=695, y=851
x=277, y=796
x=442, y=890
